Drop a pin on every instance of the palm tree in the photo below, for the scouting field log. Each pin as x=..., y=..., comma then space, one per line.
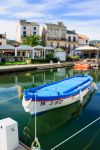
x=32, y=40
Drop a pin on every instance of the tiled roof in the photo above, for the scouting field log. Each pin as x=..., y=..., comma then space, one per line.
x=81, y=36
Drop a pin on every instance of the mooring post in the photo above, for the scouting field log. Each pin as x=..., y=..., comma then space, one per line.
x=8, y=134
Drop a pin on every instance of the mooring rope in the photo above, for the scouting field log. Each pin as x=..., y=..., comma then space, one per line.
x=35, y=144
x=76, y=133
x=10, y=98
x=35, y=119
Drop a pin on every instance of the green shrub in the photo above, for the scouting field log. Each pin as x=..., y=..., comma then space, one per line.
x=50, y=56
x=12, y=63
x=46, y=60
x=71, y=58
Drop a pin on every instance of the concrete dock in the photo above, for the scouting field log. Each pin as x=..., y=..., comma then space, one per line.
x=23, y=147
x=14, y=68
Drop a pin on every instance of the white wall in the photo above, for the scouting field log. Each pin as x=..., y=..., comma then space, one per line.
x=29, y=31
x=83, y=42
x=61, y=55
x=3, y=41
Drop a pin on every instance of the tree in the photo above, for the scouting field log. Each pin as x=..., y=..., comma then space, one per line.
x=32, y=40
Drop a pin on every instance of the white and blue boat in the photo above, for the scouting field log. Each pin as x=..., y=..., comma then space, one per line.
x=57, y=94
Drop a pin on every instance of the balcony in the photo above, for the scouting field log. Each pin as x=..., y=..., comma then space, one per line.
x=56, y=39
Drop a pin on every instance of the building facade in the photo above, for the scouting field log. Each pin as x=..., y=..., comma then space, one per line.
x=83, y=40
x=3, y=40
x=57, y=35
x=54, y=35
x=25, y=28
x=72, y=39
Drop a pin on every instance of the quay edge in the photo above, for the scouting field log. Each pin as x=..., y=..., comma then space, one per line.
x=20, y=68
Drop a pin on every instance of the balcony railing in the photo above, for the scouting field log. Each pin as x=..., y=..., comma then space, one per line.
x=56, y=39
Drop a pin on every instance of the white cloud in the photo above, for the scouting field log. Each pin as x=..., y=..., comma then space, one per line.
x=26, y=14
x=42, y=12
x=3, y=10
x=9, y=27
x=88, y=27
x=84, y=8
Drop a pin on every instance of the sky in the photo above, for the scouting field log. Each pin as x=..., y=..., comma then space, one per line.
x=80, y=15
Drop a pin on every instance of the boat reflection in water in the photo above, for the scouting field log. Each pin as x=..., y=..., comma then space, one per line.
x=54, y=119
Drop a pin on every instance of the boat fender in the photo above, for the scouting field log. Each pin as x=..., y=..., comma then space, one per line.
x=94, y=85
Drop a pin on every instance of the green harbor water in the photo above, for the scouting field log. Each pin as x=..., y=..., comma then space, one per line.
x=55, y=125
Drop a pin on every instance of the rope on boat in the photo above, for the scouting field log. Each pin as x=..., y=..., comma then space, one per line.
x=81, y=96
x=10, y=98
x=95, y=86
x=35, y=144
x=35, y=119
x=90, y=124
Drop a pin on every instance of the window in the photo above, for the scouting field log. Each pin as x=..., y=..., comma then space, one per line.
x=24, y=32
x=74, y=39
x=69, y=47
x=34, y=33
x=34, y=28
x=51, y=44
x=24, y=28
x=74, y=46
x=1, y=36
x=23, y=53
x=69, y=39
x=86, y=41
x=57, y=44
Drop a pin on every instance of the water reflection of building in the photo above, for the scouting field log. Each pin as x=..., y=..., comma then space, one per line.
x=42, y=77
x=30, y=78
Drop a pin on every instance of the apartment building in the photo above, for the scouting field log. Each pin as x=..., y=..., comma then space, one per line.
x=25, y=28
x=3, y=40
x=54, y=34
x=72, y=39
x=57, y=35
x=83, y=40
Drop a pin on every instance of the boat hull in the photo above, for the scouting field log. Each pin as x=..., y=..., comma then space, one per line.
x=42, y=106
x=81, y=66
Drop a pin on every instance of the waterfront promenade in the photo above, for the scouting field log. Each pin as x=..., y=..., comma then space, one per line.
x=14, y=68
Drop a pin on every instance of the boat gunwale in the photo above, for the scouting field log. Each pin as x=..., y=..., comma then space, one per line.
x=61, y=96
x=52, y=83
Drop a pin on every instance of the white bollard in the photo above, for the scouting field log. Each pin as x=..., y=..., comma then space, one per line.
x=8, y=134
